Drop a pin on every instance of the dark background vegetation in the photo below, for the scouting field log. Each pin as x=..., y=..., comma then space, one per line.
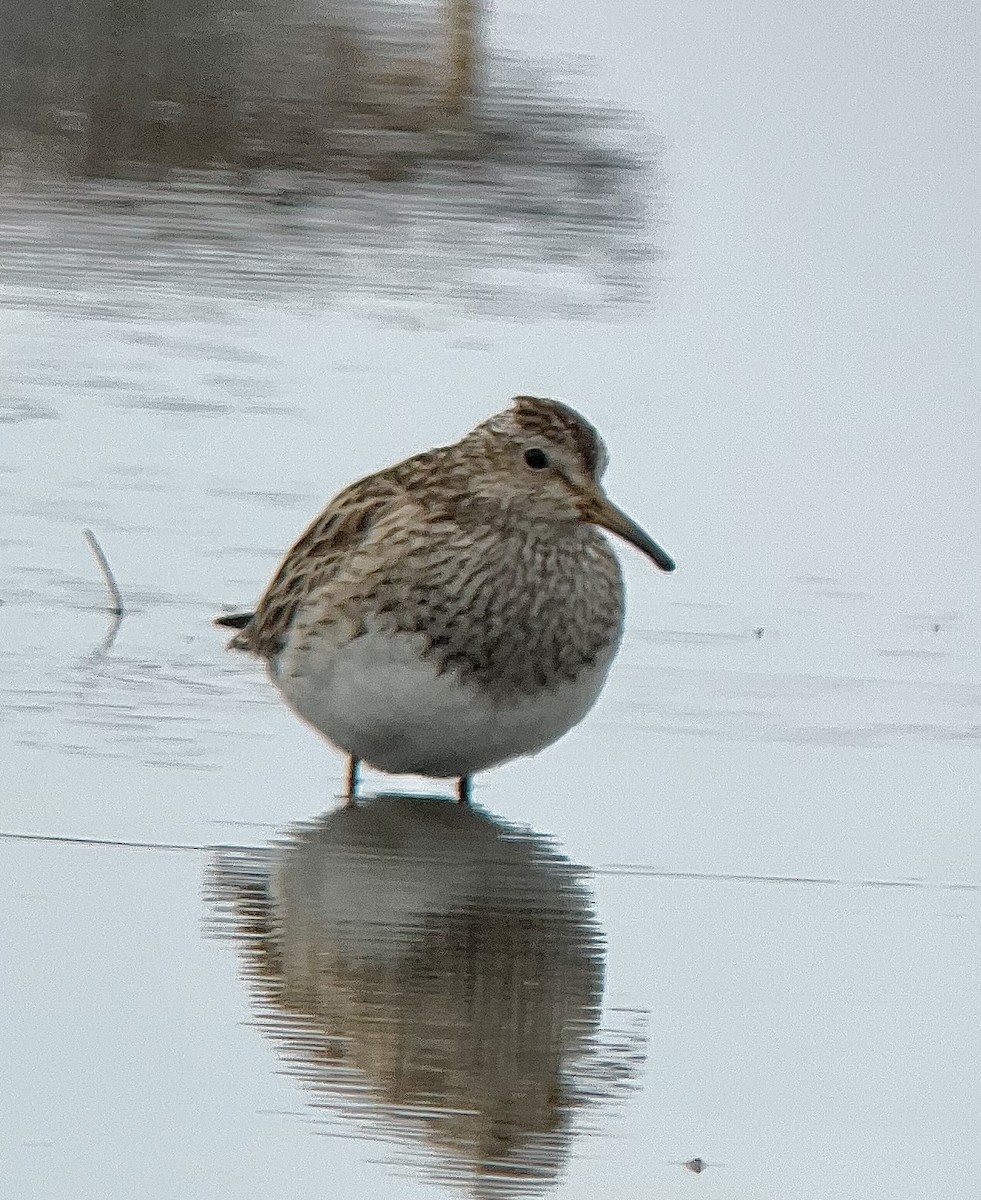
x=364, y=114
x=254, y=83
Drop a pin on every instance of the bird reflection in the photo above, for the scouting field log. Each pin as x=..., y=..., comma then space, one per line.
x=434, y=972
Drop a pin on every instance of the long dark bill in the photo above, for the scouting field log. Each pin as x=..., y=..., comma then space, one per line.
x=604, y=512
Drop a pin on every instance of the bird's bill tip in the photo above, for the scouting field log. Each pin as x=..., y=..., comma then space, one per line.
x=604, y=512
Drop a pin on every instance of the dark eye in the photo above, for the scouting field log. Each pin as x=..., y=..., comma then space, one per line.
x=536, y=459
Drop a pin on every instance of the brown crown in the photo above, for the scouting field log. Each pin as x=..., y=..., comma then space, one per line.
x=560, y=423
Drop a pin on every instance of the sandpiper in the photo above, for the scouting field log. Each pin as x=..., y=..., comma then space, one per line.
x=458, y=609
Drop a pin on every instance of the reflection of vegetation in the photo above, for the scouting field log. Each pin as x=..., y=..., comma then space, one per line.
x=462, y=19
x=425, y=967
x=195, y=83
x=385, y=102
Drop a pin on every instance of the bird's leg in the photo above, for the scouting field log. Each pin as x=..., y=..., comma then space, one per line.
x=351, y=792
x=463, y=789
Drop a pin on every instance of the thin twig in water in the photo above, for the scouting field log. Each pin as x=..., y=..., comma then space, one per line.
x=116, y=607
x=115, y=595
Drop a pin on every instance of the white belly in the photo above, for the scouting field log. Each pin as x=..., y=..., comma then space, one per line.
x=377, y=699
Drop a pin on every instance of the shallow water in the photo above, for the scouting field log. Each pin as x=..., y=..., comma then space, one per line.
x=735, y=915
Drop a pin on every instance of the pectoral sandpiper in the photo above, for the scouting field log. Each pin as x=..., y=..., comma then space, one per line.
x=458, y=609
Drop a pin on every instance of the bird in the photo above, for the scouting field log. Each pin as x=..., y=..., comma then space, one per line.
x=458, y=609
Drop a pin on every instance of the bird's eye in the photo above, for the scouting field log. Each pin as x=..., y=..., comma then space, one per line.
x=536, y=459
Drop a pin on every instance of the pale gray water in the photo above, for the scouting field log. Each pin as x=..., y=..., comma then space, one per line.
x=795, y=418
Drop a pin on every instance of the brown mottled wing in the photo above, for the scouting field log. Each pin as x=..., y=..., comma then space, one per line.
x=317, y=555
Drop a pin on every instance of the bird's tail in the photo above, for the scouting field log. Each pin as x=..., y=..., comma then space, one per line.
x=236, y=621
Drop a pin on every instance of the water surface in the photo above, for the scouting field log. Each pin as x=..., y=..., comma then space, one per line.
x=734, y=915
